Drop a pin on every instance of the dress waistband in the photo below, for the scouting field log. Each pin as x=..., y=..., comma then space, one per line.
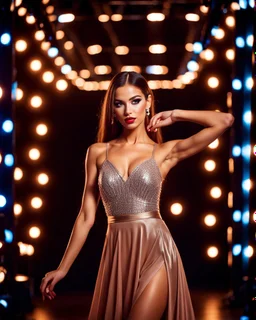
x=134, y=216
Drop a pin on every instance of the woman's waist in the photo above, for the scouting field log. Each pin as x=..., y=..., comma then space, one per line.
x=134, y=216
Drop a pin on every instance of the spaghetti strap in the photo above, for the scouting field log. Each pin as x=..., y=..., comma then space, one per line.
x=107, y=150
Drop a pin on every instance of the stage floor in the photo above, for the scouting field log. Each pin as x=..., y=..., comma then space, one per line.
x=208, y=305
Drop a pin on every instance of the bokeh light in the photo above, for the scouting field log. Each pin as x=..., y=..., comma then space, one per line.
x=212, y=252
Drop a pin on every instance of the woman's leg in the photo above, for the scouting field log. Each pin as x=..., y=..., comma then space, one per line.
x=152, y=302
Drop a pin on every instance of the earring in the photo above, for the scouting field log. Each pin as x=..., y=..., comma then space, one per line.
x=147, y=112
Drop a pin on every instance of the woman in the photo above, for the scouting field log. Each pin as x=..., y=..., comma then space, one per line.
x=141, y=275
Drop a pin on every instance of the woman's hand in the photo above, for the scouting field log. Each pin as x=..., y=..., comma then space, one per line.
x=161, y=119
x=48, y=283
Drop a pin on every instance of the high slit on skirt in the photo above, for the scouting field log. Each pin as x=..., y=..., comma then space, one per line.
x=135, y=248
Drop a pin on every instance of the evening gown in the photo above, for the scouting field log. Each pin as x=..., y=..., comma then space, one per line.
x=137, y=244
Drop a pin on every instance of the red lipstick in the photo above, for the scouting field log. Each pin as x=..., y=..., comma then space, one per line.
x=129, y=120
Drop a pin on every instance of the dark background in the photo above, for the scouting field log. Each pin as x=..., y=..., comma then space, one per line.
x=72, y=119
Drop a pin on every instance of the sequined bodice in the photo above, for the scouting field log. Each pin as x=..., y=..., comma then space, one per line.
x=139, y=193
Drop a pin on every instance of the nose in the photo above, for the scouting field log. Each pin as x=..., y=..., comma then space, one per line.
x=127, y=109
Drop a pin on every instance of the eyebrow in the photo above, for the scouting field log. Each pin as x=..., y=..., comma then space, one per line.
x=130, y=98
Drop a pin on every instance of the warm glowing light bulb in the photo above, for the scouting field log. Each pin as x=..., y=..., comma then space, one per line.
x=39, y=35
x=43, y=178
x=19, y=94
x=167, y=84
x=121, y=50
x=68, y=45
x=36, y=65
x=22, y=11
x=18, y=174
x=17, y=209
x=214, y=144
x=30, y=250
x=34, y=154
x=61, y=85
x=157, y=48
x=230, y=21
x=41, y=129
x=177, y=84
x=45, y=45
x=189, y=47
x=94, y=49
x=21, y=45
x=71, y=75
x=102, y=69
x=212, y=252
x=116, y=17
x=30, y=19
x=36, y=102
x=103, y=85
x=210, y=220
x=230, y=54
x=155, y=16
x=248, y=251
x=84, y=74
x=36, y=202
x=103, y=18
x=48, y=76
x=79, y=82
x=215, y=192
x=34, y=232
x=210, y=165
x=235, y=6
x=50, y=9
x=204, y=9
x=176, y=208
x=131, y=68
x=192, y=17
x=219, y=34
x=154, y=84
x=207, y=54
x=213, y=82
x=59, y=61
x=3, y=271
x=60, y=34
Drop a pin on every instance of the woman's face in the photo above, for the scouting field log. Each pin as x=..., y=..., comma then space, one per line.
x=129, y=101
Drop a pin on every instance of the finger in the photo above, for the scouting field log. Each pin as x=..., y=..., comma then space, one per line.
x=154, y=122
x=161, y=123
x=48, y=295
x=49, y=291
x=150, y=124
x=46, y=283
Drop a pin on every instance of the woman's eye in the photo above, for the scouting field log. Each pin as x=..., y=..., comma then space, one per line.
x=117, y=104
x=136, y=101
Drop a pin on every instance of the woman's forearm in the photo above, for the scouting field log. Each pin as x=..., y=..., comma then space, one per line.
x=77, y=239
x=205, y=118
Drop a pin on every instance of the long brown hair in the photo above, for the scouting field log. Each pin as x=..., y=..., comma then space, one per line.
x=108, y=131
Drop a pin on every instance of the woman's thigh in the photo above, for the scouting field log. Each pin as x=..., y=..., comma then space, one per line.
x=152, y=302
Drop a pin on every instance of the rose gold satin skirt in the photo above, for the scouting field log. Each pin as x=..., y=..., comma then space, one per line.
x=135, y=248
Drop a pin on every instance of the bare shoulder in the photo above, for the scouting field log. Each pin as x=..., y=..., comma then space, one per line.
x=95, y=149
x=96, y=153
